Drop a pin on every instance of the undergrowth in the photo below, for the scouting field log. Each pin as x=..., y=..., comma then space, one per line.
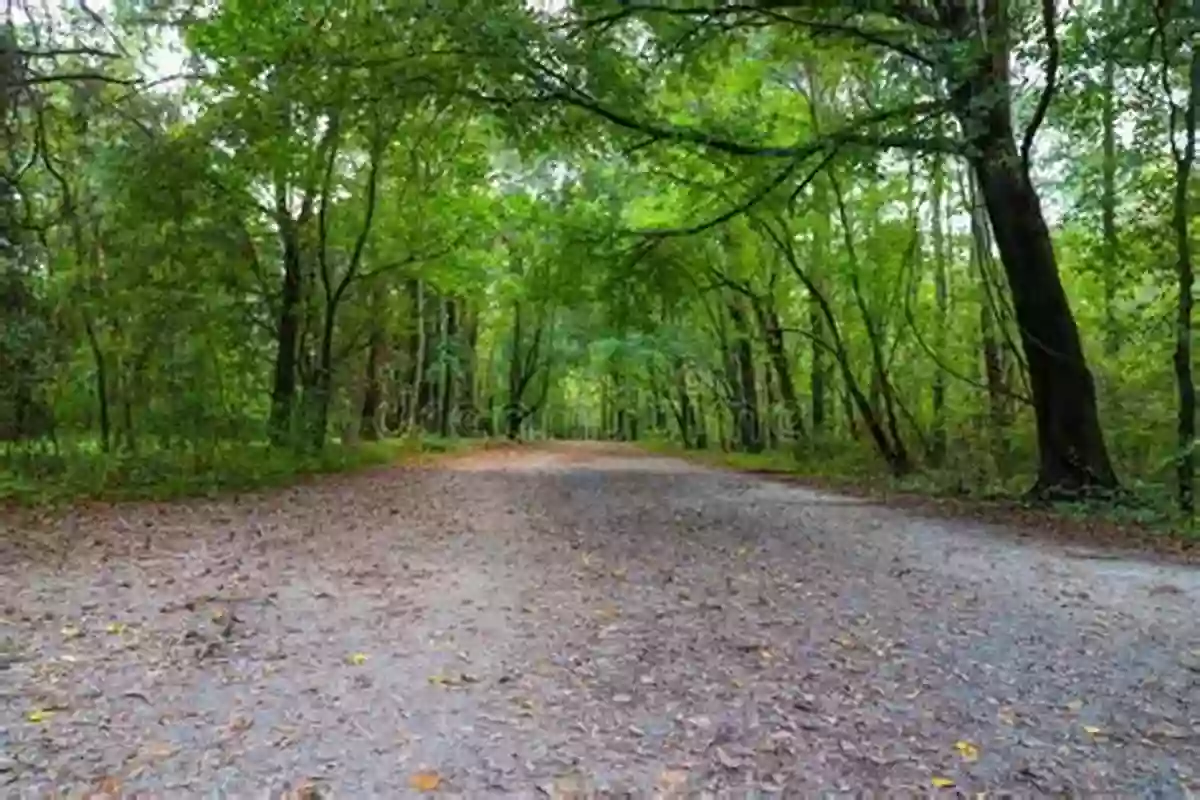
x=1147, y=506
x=81, y=472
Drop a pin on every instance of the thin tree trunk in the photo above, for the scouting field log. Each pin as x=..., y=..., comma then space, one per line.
x=101, y=384
x=747, y=423
x=449, y=336
x=373, y=392
x=513, y=413
x=772, y=329
x=942, y=298
x=417, y=292
x=1108, y=191
x=1185, y=467
x=287, y=338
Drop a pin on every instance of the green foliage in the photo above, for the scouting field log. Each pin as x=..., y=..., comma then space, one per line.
x=161, y=474
x=759, y=230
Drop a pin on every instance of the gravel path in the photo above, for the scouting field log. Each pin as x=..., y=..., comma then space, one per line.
x=580, y=621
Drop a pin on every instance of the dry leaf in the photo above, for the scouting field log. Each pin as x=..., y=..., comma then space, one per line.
x=357, y=659
x=239, y=722
x=157, y=750
x=941, y=783
x=425, y=781
x=115, y=627
x=107, y=788
x=968, y=751
x=673, y=781
x=1092, y=730
x=71, y=632
x=39, y=715
x=307, y=790
x=1074, y=706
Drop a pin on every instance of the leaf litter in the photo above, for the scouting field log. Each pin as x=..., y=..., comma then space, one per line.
x=582, y=621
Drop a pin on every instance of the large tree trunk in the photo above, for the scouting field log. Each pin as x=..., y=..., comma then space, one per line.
x=1072, y=457
x=1072, y=454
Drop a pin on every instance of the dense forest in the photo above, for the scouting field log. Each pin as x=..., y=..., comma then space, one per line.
x=936, y=237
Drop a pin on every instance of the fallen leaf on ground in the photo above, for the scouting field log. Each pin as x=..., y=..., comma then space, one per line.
x=106, y=787
x=941, y=783
x=357, y=659
x=239, y=722
x=157, y=750
x=968, y=751
x=425, y=781
x=672, y=781
x=307, y=790
x=1093, y=730
x=460, y=679
x=71, y=632
x=115, y=627
x=39, y=715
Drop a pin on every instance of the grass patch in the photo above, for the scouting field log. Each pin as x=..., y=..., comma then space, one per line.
x=82, y=473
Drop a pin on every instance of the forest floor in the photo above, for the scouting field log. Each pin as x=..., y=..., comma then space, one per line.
x=580, y=620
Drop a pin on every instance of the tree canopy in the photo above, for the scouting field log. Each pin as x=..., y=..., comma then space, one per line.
x=943, y=237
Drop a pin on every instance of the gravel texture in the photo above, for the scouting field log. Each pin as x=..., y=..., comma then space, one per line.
x=578, y=621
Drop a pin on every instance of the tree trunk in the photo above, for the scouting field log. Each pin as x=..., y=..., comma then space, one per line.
x=468, y=424
x=686, y=416
x=373, y=393
x=1185, y=467
x=994, y=367
x=512, y=412
x=416, y=288
x=768, y=320
x=937, y=451
x=101, y=384
x=427, y=390
x=323, y=381
x=747, y=422
x=1108, y=191
x=287, y=338
x=449, y=337
x=1072, y=455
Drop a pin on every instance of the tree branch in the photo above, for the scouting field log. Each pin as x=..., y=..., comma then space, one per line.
x=749, y=203
x=853, y=133
x=1039, y=113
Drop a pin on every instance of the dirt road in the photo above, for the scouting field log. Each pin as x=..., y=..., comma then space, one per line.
x=570, y=621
